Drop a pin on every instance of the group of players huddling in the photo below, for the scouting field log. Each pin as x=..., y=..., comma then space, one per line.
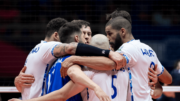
x=71, y=65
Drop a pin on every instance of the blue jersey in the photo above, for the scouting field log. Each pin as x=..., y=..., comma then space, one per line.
x=54, y=81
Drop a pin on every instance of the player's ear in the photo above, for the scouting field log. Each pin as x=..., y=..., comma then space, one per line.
x=123, y=32
x=76, y=38
x=56, y=36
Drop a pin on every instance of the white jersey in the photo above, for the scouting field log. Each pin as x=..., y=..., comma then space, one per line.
x=113, y=83
x=139, y=58
x=38, y=60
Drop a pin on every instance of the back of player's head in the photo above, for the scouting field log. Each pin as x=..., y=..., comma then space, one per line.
x=100, y=41
x=67, y=32
x=81, y=23
x=176, y=65
x=121, y=13
x=118, y=23
x=54, y=25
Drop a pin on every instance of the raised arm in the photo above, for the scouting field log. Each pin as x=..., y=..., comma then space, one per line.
x=98, y=63
x=78, y=49
x=86, y=50
x=23, y=80
x=64, y=49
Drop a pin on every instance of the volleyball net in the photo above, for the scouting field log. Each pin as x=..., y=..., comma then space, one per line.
x=12, y=89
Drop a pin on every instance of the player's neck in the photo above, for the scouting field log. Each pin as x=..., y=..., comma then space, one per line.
x=128, y=38
x=47, y=39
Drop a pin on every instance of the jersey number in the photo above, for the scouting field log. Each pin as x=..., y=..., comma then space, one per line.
x=114, y=88
x=152, y=64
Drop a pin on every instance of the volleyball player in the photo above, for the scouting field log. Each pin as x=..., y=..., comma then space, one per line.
x=53, y=79
x=138, y=57
x=105, y=79
x=44, y=54
x=71, y=31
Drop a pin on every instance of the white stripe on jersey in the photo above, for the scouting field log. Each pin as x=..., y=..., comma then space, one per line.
x=113, y=83
x=38, y=60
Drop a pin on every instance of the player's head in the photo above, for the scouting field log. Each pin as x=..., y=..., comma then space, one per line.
x=121, y=13
x=177, y=65
x=100, y=41
x=52, y=28
x=70, y=32
x=118, y=30
x=86, y=30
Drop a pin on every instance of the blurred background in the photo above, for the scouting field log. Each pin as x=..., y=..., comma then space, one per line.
x=23, y=22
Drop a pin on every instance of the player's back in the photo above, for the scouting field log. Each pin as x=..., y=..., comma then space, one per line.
x=140, y=57
x=54, y=81
x=113, y=83
x=38, y=60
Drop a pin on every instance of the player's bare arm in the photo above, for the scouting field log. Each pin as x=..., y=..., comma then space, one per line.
x=64, y=49
x=157, y=92
x=86, y=50
x=79, y=77
x=97, y=63
x=116, y=61
x=165, y=77
x=23, y=80
x=169, y=94
x=156, y=88
x=67, y=91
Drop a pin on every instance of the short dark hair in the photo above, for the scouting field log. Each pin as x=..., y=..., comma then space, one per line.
x=121, y=13
x=67, y=32
x=176, y=64
x=80, y=23
x=120, y=22
x=54, y=25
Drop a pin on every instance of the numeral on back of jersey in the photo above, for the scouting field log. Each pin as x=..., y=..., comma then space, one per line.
x=152, y=64
x=114, y=88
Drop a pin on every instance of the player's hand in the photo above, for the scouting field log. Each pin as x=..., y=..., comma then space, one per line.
x=152, y=75
x=65, y=65
x=101, y=94
x=24, y=80
x=118, y=58
x=152, y=92
x=14, y=99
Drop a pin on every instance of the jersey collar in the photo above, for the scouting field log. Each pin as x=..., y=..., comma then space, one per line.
x=131, y=40
x=42, y=41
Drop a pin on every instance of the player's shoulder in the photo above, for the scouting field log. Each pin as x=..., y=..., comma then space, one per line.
x=50, y=43
x=54, y=42
x=128, y=46
x=145, y=45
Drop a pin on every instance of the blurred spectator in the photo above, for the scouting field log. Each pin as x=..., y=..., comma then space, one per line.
x=160, y=19
x=171, y=96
